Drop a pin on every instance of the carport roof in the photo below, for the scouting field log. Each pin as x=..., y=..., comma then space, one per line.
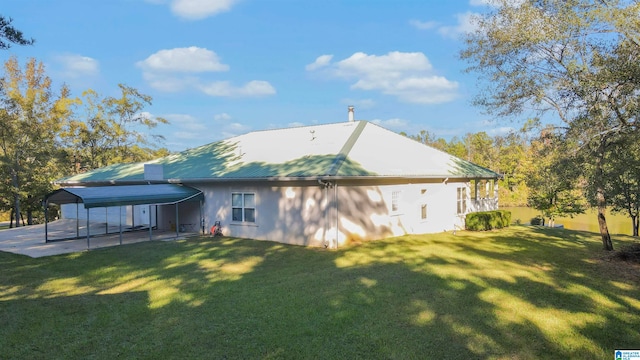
x=104, y=196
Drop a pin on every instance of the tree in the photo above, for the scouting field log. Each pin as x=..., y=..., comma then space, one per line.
x=623, y=189
x=577, y=58
x=31, y=116
x=552, y=178
x=428, y=138
x=105, y=131
x=514, y=163
x=9, y=34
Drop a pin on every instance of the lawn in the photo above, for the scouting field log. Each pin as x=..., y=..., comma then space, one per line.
x=519, y=293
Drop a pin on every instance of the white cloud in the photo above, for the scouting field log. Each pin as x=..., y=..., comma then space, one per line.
x=179, y=69
x=408, y=76
x=222, y=117
x=465, y=25
x=502, y=130
x=167, y=82
x=393, y=124
x=252, y=88
x=188, y=127
x=196, y=9
x=423, y=25
x=77, y=66
x=188, y=60
x=321, y=61
x=227, y=126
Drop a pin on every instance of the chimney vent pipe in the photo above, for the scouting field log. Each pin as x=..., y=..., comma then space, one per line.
x=351, y=114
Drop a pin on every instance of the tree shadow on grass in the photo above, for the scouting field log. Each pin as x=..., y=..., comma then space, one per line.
x=572, y=278
x=411, y=297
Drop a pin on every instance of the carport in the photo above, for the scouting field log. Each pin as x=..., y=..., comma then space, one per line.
x=123, y=195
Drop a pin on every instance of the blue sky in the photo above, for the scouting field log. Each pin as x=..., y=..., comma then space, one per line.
x=219, y=68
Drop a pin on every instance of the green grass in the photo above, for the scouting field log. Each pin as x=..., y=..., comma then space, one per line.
x=518, y=293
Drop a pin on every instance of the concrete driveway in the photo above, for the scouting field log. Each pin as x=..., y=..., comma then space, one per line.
x=30, y=240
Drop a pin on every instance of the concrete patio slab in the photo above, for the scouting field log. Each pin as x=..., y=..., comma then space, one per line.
x=30, y=240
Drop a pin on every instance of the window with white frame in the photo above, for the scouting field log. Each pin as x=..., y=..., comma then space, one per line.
x=243, y=207
x=395, y=201
x=462, y=200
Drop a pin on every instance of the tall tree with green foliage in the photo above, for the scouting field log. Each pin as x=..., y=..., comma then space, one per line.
x=576, y=58
x=623, y=188
x=107, y=130
x=31, y=116
x=10, y=35
x=553, y=178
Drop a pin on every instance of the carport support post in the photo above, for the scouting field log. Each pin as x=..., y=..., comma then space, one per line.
x=150, y=234
x=177, y=220
x=77, y=220
x=120, y=217
x=46, y=222
x=88, y=244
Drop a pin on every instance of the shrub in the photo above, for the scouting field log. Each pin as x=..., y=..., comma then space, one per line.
x=630, y=253
x=536, y=220
x=488, y=220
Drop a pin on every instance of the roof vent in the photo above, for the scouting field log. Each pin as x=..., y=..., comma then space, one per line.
x=351, y=114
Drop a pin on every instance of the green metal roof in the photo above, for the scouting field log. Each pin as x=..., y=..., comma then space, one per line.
x=105, y=196
x=350, y=149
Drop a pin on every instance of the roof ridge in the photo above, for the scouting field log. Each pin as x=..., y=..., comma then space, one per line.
x=346, y=148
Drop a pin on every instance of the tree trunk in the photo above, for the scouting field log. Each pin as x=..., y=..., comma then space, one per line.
x=601, y=201
x=602, y=223
x=16, y=209
x=11, y=218
x=16, y=198
x=635, y=220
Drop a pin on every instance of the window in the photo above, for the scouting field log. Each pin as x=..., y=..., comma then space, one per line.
x=395, y=201
x=243, y=207
x=474, y=189
x=423, y=212
x=462, y=200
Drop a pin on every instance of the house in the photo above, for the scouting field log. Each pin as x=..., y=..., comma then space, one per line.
x=320, y=185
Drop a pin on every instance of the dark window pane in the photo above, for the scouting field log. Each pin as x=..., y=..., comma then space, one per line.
x=250, y=215
x=237, y=214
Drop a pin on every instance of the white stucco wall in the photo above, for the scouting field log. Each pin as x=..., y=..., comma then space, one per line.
x=304, y=213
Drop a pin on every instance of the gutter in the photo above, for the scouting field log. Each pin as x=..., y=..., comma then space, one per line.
x=268, y=179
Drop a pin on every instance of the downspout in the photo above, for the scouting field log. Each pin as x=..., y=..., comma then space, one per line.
x=326, y=208
x=201, y=217
x=335, y=198
x=326, y=185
